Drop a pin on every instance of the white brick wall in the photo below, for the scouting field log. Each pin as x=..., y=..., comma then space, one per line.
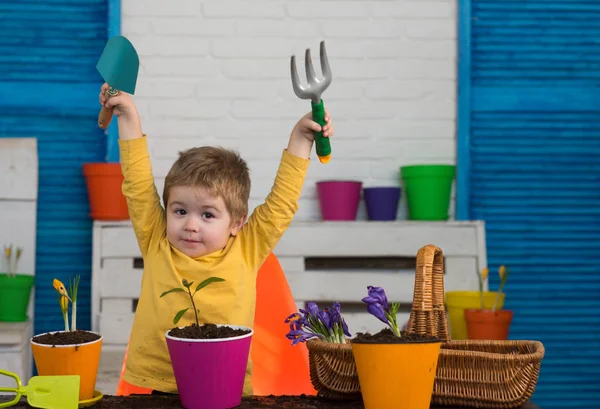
x=217, y=72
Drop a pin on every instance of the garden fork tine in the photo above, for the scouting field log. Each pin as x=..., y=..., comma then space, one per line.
x=313, y=91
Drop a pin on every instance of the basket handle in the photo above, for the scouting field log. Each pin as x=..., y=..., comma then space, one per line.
x=428, y=314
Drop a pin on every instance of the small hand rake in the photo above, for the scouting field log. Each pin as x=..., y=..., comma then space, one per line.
x=313, y=91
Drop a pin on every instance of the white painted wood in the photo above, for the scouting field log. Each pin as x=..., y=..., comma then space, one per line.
x=119, y=242
x=349, y=286
x=19, y=169
x=116, y=306
x=118, y=278
x=376, y=238
x=115, y=328
x=96, y=277
x=15, y=351
x=291, y=263
x=482, y=252
x=460, y=273
x=18, y=221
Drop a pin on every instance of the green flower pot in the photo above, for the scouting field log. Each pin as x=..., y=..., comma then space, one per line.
x=15, y=292
x=427, y=189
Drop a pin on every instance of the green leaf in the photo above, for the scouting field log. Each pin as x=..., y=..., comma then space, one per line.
x=173, y=290
x=178, y=316
x=186, y=284
x=207, y=282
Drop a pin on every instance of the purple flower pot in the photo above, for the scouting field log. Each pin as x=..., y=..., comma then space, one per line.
x=210, y=372
x=339, y=199
x=382, y=202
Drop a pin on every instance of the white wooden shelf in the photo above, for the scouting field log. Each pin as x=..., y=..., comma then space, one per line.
x=116, y=281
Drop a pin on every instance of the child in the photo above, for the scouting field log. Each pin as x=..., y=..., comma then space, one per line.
x=202, y=231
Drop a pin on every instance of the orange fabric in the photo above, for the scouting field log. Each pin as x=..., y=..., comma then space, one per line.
x=278, y=368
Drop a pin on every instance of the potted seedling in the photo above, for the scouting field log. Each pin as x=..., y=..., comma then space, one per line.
x=71, y=351
x=396, y=369
x=209, y=360
x=457, y=302
x=490, y=323
x=15, y=289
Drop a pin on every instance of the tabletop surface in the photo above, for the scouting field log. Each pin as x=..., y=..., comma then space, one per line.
x=262, y=402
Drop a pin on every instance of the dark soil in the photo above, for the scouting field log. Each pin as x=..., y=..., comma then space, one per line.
x=386, y=336
x=266, y=402
x=66, y=338
x=206, y=331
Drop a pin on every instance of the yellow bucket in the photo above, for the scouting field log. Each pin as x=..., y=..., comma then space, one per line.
x=459, y=301
x=396, y=376
x=80, y=359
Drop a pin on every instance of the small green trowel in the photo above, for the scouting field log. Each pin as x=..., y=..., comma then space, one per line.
x=49, y=392
x=118, y=65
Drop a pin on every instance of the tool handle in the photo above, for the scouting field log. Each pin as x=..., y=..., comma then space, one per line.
x=18, y=390
x=322, y=145
x=106, y=114
x=105, y=117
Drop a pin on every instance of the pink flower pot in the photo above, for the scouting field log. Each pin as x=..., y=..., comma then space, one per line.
x=339, y=199
x=210, y=372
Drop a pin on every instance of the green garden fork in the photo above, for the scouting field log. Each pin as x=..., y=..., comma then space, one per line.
x=313, y=91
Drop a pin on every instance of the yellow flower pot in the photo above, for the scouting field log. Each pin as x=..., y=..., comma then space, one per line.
x=396, y=375
x=459, y=301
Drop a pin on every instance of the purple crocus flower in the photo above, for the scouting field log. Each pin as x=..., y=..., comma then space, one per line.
x=376, y=295
x=377, y=310
x=312, y=308
x=377, y=305
x=336, y=318
x=327, y=324
x=325, y=319
x=299, y=335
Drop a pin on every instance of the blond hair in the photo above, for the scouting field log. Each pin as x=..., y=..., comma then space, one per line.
x=222, y=171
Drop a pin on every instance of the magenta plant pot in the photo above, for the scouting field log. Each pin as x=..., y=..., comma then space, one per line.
x=210, y=372
x=339, y=199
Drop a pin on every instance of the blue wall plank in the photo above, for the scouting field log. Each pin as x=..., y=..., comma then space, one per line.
x=49, y=87
x=532, y=141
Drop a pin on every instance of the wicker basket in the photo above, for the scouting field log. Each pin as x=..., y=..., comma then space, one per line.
x=478, y=374
x=332, y=370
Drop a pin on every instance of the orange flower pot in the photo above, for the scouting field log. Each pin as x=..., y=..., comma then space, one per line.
x=488, y=324
x=104, y=185
x=398, y=375
x=80, y=359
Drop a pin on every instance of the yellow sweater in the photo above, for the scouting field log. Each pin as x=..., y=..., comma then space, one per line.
x=229, y=302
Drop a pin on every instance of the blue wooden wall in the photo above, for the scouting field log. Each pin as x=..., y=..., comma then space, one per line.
x=529, y=165
x=49, y=87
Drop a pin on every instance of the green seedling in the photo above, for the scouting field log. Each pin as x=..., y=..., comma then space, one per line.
x=187, y=289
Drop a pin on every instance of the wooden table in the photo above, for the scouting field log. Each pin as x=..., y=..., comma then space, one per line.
x=267, y=402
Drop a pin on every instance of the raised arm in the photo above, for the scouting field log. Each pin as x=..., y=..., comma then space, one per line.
x=143, y=201
x=270, y=219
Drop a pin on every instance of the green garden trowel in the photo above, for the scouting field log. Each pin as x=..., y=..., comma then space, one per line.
x=49, y=392
x=118, y=65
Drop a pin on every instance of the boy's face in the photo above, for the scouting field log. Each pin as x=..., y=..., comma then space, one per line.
x=198, y=223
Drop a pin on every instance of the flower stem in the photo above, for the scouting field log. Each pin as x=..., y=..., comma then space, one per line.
x=194, y=306
x=66, y=319
x=74, y=316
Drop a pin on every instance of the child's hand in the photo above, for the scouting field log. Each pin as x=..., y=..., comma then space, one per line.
x=122, y=105
x=306, y=127
x=124, y=109
x=303, y=135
